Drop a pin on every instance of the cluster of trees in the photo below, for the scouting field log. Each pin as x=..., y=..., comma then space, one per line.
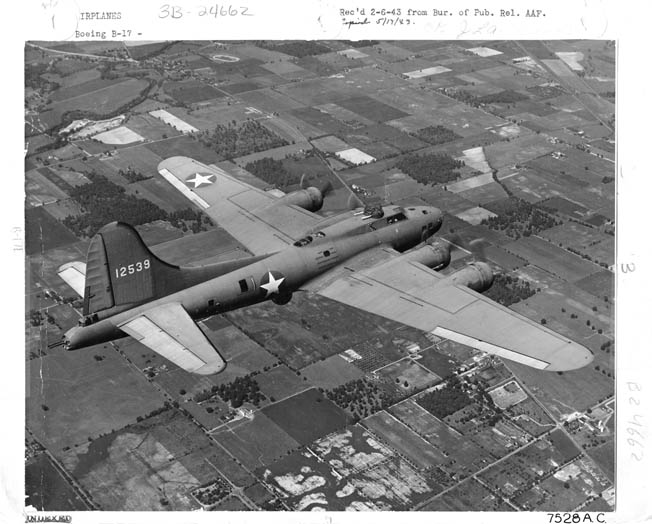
x=508, y=290
x=132, y=175
x=521, y=218
x=166, y=406
x=35, y=317
x=436, y=135
x=189, y=218
x=212, y=493
x=240, y=390
x=34, y=79
x=359, y=397
x=430, y=168
x=445, y=401
x=298, y=49
x=504, y=97
x=360, y=43
x=273, y=172
x=234, y=140
x=103, y=201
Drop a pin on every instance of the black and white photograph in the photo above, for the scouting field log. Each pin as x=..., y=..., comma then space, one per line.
x=298, y=275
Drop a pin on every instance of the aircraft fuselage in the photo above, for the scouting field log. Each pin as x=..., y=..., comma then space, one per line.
x=277, y=276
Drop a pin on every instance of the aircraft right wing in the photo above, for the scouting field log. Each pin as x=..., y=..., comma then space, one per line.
x=415, y=295
x=169, y=330
x=245, y=212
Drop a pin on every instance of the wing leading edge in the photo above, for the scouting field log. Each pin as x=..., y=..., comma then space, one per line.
x=169, y=330
x=411, y=293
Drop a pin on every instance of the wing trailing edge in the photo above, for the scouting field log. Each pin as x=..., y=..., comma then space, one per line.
x=169, y=331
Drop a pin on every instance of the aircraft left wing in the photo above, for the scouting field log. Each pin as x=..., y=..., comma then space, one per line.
x=169, y=330
x=245, y=212
x=411, y=293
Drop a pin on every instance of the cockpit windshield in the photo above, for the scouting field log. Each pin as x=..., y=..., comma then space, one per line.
x=388, y=220
x=306, y=240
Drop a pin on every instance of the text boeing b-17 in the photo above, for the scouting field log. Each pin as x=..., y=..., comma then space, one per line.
x=384, y=262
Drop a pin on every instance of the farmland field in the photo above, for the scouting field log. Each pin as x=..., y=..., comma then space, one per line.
x=44, y=232
x=307, y=416
x=552, y=258
x=105, y=100
x=399, y=437
x=257, y=442
x=70, y=416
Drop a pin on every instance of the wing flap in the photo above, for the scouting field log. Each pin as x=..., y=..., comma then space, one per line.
x=415, y=295
x=169, y=330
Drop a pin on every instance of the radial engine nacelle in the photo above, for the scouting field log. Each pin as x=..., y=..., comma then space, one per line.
x=477, y=275
x=435, y=255
x=310, y=198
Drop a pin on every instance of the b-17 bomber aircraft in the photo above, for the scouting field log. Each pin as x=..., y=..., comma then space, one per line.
x=383, y=261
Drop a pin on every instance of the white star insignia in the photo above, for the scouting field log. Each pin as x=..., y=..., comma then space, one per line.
x=273, y=285
x=200, y=180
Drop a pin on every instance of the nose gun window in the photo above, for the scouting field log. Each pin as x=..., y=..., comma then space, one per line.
x=424, y=211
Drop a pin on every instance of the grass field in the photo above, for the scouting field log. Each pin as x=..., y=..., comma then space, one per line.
x=599, y=284
x=163, y=458
x=84, y=397
x=408, y=372
x=43, y=232
x=84, y=88
x=257, y=442
x=307, y=416
x=300, y=333
x=553, y=259
x=40, y=190
x=332, y=372
x=571, y=391
x=279, y=383
x=47, y=490
x=105, y=100
x=190, y=92
x=192, y=249
x=183, y=146
x=402, y=439
x=468, y=496
x=517, y=151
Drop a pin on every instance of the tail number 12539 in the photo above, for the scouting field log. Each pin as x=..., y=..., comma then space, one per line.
x=137, y=267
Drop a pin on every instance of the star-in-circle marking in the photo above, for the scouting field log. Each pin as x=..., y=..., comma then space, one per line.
x=271, y=283
x=200, y=179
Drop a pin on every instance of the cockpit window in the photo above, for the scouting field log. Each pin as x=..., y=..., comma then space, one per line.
x=303, y=241
x=392, y=219
x=396, y=218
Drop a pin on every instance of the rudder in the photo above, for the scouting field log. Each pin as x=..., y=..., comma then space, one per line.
x=121, y=270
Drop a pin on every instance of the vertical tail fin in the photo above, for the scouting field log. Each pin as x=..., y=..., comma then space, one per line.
x=121, y=270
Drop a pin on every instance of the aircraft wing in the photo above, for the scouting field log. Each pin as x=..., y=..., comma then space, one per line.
x=411, y=293
x=245, y=212
x=169, y=330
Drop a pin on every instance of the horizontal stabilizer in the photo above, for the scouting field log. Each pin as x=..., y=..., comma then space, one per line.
x=74, y=274
x=169, y=330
